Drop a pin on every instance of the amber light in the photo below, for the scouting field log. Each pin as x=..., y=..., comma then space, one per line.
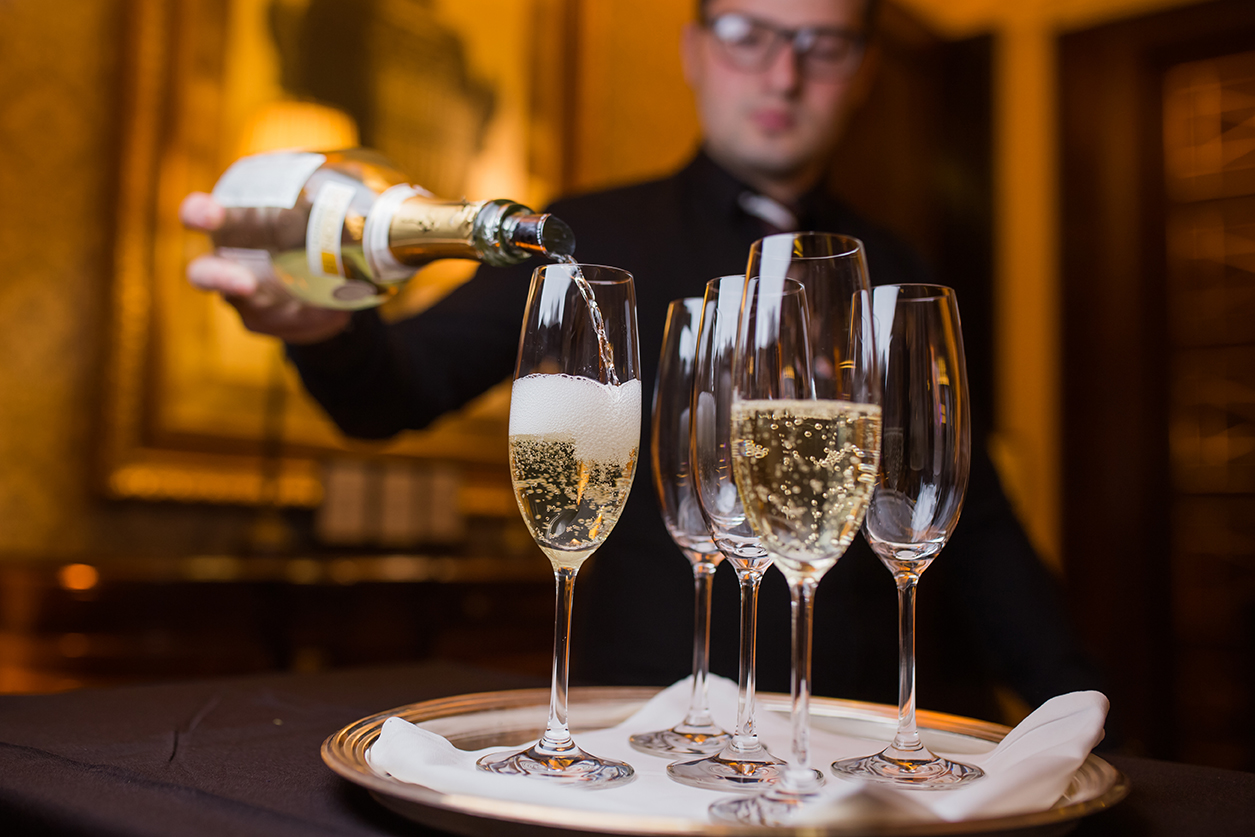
x=78, y=577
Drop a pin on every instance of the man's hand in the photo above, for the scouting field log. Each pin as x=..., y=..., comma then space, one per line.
x=263, y=309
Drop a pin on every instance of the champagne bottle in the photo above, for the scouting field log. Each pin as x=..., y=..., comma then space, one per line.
x=343, y=229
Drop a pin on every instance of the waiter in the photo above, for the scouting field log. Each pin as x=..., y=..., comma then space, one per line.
x=774, y=82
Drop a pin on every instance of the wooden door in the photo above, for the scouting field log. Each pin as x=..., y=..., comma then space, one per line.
x=1158, y=121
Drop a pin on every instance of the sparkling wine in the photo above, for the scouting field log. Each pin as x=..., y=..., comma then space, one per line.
x=573, y=452
x=806, y=471
x=604, y=348
x=343, y=229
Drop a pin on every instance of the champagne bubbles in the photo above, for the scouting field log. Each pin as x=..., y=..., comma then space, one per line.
x=602, y=420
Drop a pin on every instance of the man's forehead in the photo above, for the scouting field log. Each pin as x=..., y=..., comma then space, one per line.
x=795, y=13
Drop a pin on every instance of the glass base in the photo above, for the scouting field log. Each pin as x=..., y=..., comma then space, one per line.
x=730, y=770
x=932, y=772
x=776, y=807
x=571, y=767
x=679, y=741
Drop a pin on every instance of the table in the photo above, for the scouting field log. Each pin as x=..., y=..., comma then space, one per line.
x=240, y=757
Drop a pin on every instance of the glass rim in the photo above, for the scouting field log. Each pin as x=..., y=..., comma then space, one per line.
x=854, y=245
x=623, y=275
x=929, y=291
x=715, y=285
x=790, y=286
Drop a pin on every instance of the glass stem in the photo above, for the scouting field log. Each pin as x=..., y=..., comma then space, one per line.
x=906, y=742
x=699, y=703
x=745, y=737
x=557, y=738
x=798, y=776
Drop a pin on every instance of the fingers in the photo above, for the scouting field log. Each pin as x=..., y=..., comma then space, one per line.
x=291, y=321
x=211, y=273
x=264, y=306
x=199, y=211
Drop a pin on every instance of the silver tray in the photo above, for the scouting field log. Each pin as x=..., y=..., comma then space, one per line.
x=516, y=717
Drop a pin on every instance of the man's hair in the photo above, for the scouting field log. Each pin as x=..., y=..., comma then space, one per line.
x=870, y=10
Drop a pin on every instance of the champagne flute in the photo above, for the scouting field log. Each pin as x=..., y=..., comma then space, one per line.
x=575, y=412
x=744, y=764
x=697, y=734
x=919, y=493
x=806, y=433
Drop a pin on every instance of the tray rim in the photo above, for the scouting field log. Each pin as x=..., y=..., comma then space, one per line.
x=483, y=815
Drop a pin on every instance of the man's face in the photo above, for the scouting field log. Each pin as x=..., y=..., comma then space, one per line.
x=779, y=121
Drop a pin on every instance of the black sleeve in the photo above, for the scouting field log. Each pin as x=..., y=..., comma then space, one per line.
x=1010, y=604
x=378, y=379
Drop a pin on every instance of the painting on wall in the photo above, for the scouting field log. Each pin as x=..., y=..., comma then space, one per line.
x=466, y=96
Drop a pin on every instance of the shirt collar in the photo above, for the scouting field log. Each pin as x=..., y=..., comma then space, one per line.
x=722, y=193
x=774, y=214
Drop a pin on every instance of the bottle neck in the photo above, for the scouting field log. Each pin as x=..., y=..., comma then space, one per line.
x=423, y=229
x=507, y=233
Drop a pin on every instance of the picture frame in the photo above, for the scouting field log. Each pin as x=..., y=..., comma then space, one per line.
x=469, y=97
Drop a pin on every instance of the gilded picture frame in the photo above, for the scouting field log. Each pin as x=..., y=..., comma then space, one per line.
x=467, y=96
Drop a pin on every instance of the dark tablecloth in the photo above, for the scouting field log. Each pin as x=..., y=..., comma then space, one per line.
x=241, y=757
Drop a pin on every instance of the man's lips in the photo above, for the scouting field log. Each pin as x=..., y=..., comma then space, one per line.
x=773, y=120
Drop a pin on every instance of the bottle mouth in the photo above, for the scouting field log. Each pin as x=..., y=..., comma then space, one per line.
x=545, y=234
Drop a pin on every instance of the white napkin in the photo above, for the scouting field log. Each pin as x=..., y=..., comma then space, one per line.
x=1026, y=772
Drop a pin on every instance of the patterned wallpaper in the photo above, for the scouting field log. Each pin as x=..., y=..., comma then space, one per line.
x=61, y=64
x=57, y=154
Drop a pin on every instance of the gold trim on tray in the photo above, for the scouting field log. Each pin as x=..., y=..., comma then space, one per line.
x=513, y=718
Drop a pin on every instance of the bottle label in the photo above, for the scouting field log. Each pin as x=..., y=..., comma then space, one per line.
x=326, y=226
x=266, y=179
x=383, y=265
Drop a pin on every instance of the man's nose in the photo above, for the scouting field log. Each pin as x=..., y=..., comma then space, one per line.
x=784, y=73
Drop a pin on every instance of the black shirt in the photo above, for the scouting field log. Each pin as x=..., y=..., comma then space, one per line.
x=988, y=609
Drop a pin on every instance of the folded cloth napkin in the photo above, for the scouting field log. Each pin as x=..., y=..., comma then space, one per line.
x=1026, y=772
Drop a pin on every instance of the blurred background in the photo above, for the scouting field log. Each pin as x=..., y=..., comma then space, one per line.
x=172, y=505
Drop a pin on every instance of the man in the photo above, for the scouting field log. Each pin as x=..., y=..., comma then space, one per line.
x=774, y=82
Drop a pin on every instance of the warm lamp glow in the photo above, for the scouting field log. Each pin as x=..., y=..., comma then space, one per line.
x=291, y=125
x=78, y=577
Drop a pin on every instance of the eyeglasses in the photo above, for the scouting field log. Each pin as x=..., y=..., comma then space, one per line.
x=822, y=52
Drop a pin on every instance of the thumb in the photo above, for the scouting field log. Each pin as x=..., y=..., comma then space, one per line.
x=199, y=211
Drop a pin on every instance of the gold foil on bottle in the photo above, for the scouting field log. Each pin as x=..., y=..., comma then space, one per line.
x=424, y=230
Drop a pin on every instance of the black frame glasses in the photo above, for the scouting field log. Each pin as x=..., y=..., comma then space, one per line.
x=821, y=52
